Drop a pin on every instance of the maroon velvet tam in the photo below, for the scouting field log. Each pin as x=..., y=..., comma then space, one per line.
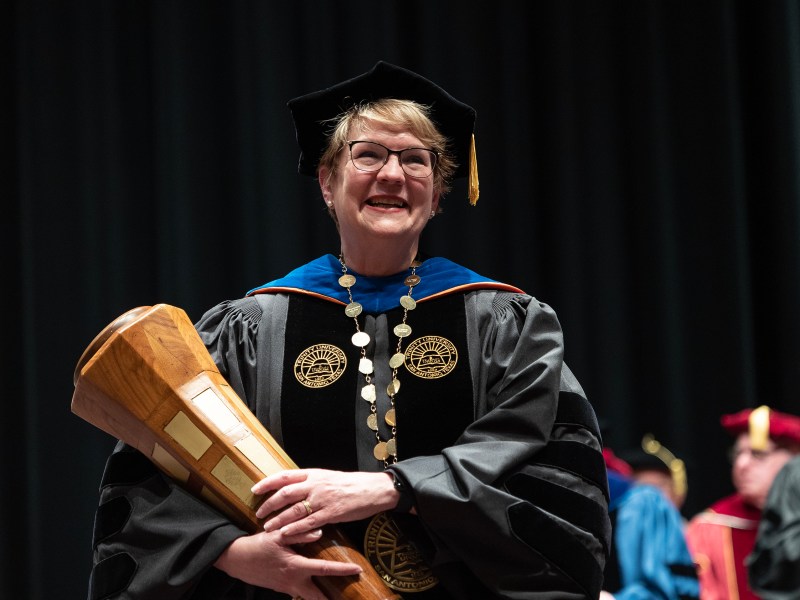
x=781, y=427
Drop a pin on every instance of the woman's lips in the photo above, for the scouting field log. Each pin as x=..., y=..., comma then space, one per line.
x=387, y=202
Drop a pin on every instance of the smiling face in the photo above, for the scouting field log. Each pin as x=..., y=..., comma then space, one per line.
x=378, y=211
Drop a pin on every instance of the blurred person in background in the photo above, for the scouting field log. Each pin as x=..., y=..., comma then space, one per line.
x=722, y=536
x=649, y=557
x=774, y=565
x=654, y=464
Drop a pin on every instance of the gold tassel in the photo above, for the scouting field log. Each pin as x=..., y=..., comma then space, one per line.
x=759, y=428
x=474, y=188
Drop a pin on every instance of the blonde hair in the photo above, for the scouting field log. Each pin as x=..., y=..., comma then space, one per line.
x=393, y=114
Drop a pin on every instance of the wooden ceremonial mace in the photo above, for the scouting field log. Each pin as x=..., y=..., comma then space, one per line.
x=148, y=380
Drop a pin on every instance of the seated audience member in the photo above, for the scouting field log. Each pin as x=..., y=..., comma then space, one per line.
x=655, y=465
x=649, y=557
x=722, y=536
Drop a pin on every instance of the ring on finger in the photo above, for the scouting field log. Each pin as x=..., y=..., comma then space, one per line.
x=307, y=506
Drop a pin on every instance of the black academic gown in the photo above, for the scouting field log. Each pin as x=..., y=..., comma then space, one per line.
x=497, y=444
x=774, y=565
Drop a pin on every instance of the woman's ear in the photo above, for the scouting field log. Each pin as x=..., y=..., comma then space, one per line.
x=324, y=178
x=435, y=203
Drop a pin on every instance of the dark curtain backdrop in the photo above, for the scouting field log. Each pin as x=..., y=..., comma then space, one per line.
x=639, y=171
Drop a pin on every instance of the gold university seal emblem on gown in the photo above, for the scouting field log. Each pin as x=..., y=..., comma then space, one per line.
x=319, y=365
x=395, y=557
x=431, y=357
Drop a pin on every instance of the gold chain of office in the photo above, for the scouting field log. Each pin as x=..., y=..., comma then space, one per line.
x=385, y=451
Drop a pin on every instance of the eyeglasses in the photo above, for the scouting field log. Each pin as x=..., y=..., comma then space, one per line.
x=756, y=455
x=371, y=156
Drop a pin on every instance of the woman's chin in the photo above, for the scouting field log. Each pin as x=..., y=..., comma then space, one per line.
x=394, y=224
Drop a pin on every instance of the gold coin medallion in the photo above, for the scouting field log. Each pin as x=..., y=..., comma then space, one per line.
x=319, y=365
x=393, y=387
x=368, y=392
x=365, y=366
x=379, y=451
x=431, y=357
x=390, y=418
x=397, y=360
x=347, y=281
x=391, y=447
x=412, y=280
x=395, y=557
x=372, y=421
x=360, y=339
x=353, y=309
x=408, y=302
x=402, y=330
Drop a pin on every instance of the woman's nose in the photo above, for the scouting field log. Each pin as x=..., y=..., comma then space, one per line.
x=392, y=169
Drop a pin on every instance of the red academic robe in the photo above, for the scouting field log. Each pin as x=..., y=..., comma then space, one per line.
x=720, y=538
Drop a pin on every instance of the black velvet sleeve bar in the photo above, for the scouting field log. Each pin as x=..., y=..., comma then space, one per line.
x=153, y=540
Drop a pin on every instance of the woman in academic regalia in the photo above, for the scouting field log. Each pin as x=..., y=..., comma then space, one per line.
x=483, y=470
